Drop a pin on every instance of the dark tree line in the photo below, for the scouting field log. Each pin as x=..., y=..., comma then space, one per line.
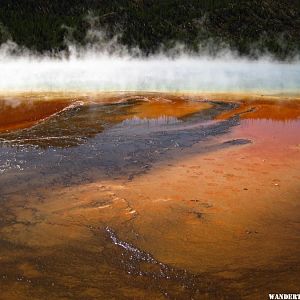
x=244, y=26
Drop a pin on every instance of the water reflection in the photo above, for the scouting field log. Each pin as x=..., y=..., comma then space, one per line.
x=158, y=122
x=122, y=138
x=275, y=133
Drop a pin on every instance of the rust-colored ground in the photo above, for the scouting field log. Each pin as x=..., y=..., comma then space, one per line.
x=230, y=217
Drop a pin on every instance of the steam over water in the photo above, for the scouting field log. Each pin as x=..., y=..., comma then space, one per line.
x=90, y=182
x=102, y=72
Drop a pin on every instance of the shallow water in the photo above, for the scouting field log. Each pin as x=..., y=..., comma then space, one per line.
x=119, y=139
x=147, y=195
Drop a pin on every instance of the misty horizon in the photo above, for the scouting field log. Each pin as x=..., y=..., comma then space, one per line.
x=96, y=70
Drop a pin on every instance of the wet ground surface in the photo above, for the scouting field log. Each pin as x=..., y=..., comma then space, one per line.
x=149, y=196
x=109, y=138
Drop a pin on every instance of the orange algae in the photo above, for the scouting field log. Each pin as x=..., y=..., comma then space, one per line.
x=229, y=216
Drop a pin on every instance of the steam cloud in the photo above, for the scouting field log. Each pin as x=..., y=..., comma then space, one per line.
x=93, y=69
